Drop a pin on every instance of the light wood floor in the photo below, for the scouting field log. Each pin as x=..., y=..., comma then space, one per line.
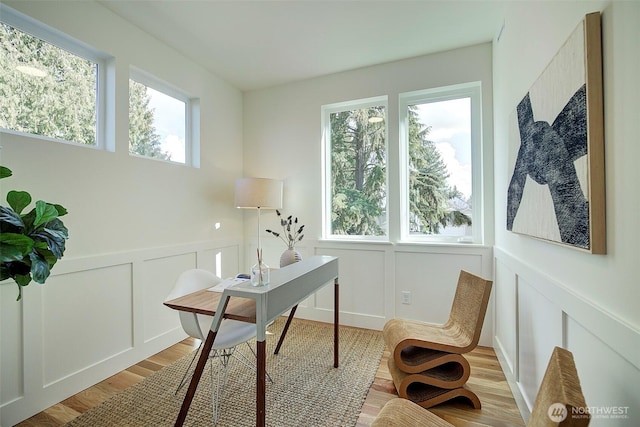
x=487, y=380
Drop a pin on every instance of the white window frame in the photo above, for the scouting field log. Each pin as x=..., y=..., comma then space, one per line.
x=57, y=38
x=326, y=112
x=192, y=115
x=473, y=91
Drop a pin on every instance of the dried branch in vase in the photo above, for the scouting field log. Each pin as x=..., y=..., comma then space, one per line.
x=291, y=232
x=260, y=279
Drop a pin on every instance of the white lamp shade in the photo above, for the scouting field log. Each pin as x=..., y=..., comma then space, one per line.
x=260, y=193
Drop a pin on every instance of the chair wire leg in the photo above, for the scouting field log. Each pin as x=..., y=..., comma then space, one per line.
x=219, y=362
x=183, y=381
x=218, y=384
x=253, y=365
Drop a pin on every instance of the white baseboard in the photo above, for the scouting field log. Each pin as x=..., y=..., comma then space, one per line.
x=511, y=380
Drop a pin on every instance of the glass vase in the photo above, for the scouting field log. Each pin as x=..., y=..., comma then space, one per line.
x=260, y=274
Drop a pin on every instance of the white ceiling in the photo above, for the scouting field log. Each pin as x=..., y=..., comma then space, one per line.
x=258, y=44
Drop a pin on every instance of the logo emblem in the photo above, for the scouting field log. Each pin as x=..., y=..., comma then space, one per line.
x=557, y=412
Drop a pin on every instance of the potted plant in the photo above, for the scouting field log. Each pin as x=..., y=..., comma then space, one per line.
x=30, y=243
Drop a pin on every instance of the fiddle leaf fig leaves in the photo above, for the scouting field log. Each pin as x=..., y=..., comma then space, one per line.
x=5, y=172
x=10, y=220
x=30, y=243
x=18, y=200
x=44, y=213
x=14, y=246
x=39, y=267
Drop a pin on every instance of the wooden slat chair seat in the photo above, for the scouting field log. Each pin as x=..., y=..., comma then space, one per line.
x=427, y=356
x=434, y=386
x=560, y=385
x=404, y=413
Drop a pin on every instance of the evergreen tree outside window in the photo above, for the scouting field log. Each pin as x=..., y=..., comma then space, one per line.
x=437, y=168
x=50, y=83
x=158, y=119
x=356, y=175
x=439, y=140
x=55, y=87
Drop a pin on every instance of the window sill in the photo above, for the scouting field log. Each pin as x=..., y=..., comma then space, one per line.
x=441, y=243
x=404, y=243
x=354, y=240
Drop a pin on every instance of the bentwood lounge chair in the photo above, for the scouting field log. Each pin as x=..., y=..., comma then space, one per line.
x=231, y=334
x=427, y=364
x=560, y=388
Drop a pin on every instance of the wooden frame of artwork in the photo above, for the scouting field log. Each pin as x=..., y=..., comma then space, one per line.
x=557, y=187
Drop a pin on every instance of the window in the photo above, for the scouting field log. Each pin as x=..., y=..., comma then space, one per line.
x=51, y=85
x=355, y=144
x=159, y=120
x=440, y=149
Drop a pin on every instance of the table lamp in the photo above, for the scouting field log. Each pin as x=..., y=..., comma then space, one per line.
x=258, y=193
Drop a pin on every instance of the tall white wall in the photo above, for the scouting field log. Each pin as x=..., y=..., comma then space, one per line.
x=134, y=225
x=548, y=295
x=283, y=140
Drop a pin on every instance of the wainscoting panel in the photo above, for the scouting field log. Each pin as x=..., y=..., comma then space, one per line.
x=223, y=261
x=362, y=288
x=11, y=344
x=505, y=295
x=540, y=330
x=373, y=276
x=58, y=326
x=159, y=275
x=87, y=318
x=359, y=270
x=545, y=314
x=432, y=280
x=95, y=316
x=610, y=382
x=430, y=274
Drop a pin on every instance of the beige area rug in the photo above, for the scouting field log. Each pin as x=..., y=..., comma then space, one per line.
x=307, y=389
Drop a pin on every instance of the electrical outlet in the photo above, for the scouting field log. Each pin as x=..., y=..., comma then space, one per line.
x=406, y=297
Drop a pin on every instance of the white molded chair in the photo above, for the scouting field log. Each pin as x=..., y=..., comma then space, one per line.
x=231, y=334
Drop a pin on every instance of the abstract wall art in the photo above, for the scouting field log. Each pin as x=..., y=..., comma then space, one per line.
x=556, y=191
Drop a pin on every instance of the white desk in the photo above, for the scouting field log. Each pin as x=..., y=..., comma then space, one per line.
x=288, y=287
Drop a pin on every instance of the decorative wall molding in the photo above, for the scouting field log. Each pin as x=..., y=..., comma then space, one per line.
x=615, y=332
x=548, y=313
x=372, y=276
x=110, y=303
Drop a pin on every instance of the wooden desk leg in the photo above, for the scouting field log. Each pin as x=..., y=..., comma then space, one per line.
x=336, y=312
x=286, y=328
x=195, y=379
x=261, y=371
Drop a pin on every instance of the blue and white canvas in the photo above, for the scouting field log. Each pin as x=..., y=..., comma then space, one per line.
x=548, y=194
